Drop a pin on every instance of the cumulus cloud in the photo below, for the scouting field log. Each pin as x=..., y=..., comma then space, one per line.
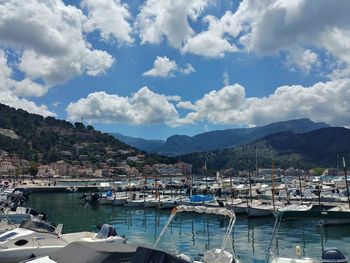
x=225, y=78
x=49, y=36
x=110, y=18
x=326, y=101
x=219, y=107
x=188, y=69
x=303, y=60
x=164, y=67
x=142, y=107
x=286, y=25
x=159, y=19
x=10, y=88
x=321, y=102
x=213, y=43
x=301, y=29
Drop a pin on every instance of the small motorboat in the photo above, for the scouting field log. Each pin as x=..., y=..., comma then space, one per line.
x=35, y=238
x=107, y=198
x=169, y=203
x=83, y=252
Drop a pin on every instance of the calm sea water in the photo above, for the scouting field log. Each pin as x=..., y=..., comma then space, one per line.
x=192, y=233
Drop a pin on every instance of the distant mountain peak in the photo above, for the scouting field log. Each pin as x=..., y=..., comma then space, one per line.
x=219, y=139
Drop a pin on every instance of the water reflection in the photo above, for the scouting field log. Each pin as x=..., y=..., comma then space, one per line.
x=193, y=233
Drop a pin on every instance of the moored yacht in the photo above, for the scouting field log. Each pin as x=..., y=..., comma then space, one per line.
x=137, y=200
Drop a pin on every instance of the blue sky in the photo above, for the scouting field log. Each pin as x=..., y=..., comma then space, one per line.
x=156, y=68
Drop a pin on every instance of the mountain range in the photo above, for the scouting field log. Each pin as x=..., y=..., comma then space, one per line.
x=318, y=148
x=219, y=139
x=290, y=143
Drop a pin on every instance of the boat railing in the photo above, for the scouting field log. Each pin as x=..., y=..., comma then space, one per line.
x=271, y=249
x=201, y=210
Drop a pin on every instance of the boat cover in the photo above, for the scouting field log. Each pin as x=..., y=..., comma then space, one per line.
x=207, y=210
x=201, y=198
x=146, y=255
x=94, y=252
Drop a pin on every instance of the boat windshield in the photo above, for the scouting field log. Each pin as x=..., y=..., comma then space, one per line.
x=106, y=231
x=37, y=225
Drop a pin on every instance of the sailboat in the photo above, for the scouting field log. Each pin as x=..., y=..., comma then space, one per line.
x=259, y=210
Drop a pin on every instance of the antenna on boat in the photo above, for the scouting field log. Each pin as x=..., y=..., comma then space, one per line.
x=346, y=181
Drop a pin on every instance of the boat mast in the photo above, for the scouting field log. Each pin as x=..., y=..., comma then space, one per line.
x=300, y=187
x=171, y=184
x=144, y=188
x=250, y=186
x=206, y=175
x=129, y=188
x=231, y=185
x=273, y=186
x=346, y=181
x=191, y=190
x=256, y=161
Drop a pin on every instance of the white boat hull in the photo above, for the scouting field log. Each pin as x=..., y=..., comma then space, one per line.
x=21, y=254
x=106, y=201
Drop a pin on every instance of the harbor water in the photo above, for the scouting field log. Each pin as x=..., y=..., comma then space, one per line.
x=192, y=233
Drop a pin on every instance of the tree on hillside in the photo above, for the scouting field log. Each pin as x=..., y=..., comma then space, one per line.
x=33, y=169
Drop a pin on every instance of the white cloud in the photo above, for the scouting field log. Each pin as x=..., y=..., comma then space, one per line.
x=188, y=69
x=158, y=19
x=321, y=102
x=213, y=43
x=219, y=107
x=110, y=17
x=225, y=78
x=164, y=67
x=301, y=28
x=303, y=60
x=8, y=98
x=10, y=89
x=24, y=87
x=143, y=107
x=208, y=45
x=305, y=25
x=49, y=37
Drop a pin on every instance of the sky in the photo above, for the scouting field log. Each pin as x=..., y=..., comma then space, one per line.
x=155, y=68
